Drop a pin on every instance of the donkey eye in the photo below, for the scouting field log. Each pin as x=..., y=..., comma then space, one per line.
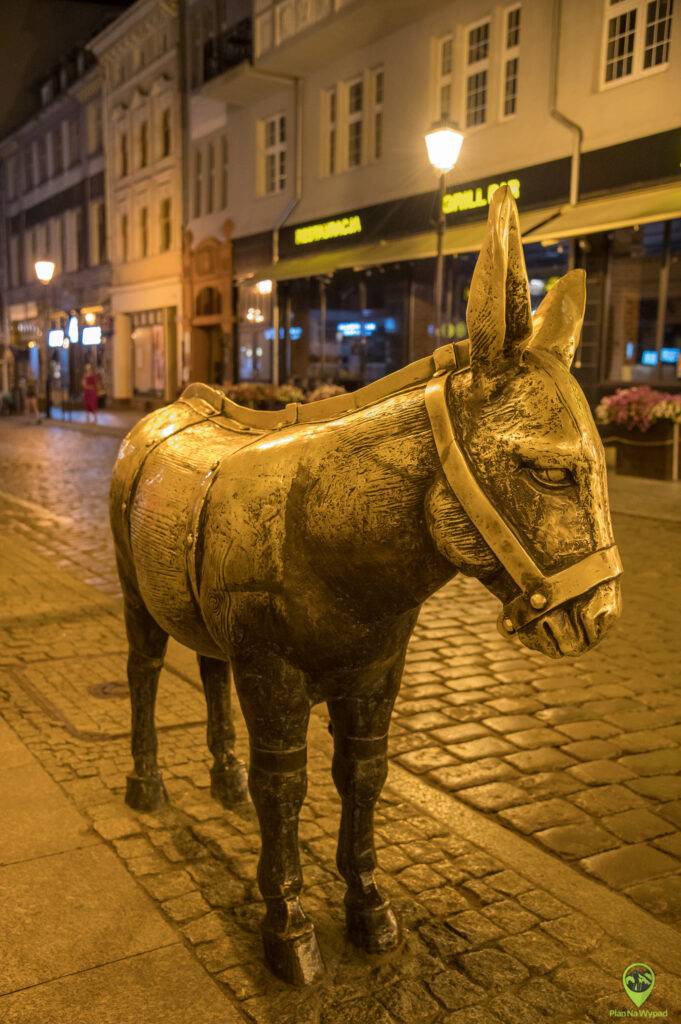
x=551, y=476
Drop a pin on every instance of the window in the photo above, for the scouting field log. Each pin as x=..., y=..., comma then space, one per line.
x=477, y=70
x=378, y=113
x=94, y=127
x=509, y=77
x=143, y=144
x=94, y=233
x=27, y=161
x=165, y=224
x=224, y=173
x=644, y=323
x=637, y=37
x=444, y=87
x=12, y=177
x=42, y=158
x=123, y=154
x=74, y=140
x=210, y=183
x=355, y=122
x=64, y=242
x=196, y=47
x=274, y=154
x=198, y=181
x=166, y=133
x=101, y=231
x=57, y=150
x=144, y=231
x=14, y=268
x=123, y=234
x=80, y=240
x=330, y=150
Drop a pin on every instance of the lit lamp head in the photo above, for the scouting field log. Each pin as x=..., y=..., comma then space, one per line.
x=264, y=287
x=44, y=269
x=443, y=143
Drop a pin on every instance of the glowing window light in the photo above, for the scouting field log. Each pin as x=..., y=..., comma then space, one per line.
x=55, y=339
x=72, y=329
x=264, y=287
x=649, y=357
x=670, y=355
x=92, y=335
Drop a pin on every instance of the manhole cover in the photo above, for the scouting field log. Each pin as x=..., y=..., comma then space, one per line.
x=109, y=691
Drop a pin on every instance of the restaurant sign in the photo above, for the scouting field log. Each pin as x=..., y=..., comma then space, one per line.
x=476, y=197
x=329, y=229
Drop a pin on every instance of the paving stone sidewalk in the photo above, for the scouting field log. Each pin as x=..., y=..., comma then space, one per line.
x=483, y=942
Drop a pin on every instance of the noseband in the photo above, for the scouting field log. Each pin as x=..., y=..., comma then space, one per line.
x=537, y=592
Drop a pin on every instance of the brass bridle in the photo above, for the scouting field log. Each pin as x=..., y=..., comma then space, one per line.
x=538, y=593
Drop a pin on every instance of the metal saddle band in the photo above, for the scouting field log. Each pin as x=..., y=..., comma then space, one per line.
x=539, y=593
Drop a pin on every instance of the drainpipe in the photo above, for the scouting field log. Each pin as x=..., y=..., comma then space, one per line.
x=572, y=126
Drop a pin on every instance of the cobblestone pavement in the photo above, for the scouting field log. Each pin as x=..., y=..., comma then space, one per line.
x=582, y=758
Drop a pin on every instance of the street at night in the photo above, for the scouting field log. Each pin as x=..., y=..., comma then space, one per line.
x=340, y=511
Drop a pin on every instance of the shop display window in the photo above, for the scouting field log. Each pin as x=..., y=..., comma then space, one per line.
x=644, y=321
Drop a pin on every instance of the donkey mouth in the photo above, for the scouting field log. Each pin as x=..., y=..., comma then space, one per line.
x=576, y=627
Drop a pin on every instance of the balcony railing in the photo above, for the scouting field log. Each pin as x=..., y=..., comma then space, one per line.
x=225, y=51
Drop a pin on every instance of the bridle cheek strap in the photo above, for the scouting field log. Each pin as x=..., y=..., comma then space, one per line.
x=539, y=593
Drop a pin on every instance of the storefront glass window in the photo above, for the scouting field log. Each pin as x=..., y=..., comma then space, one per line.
x=644, y=324
x=357, y=331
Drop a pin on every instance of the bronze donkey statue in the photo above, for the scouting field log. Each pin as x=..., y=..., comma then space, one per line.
x=298, y=547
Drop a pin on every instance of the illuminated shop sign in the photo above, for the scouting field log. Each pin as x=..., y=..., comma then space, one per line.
x=477, y=196
x=354, y=329
x=55, y=339
x=92, y=335
x=329, y=229
x=295, y=333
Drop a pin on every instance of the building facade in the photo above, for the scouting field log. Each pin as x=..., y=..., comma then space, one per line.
x=54, y=208
x=576, y=104
x=139, y=55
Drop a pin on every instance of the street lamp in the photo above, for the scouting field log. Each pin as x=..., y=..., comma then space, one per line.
x=44, y=270
x=443, y=143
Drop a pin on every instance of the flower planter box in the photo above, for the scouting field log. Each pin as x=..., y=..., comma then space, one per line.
x=650, y=453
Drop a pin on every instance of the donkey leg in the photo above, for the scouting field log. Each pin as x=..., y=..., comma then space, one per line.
x=360, y=766
x=277, y=710
x=228, y=782
x=147, y=646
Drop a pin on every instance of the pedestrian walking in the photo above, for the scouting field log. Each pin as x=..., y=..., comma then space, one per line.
x=32, y=400
x=89, y=386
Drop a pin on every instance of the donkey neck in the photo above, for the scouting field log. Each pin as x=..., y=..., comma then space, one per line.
x=366, y=504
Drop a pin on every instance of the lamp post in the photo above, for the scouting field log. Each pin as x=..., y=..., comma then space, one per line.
x=265, y=288
x=443, y=143
x=44, y=270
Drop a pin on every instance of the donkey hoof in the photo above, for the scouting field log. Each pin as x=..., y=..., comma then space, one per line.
x=229, y=784
x=373, y=929
x=293, y=958
x=145, y=793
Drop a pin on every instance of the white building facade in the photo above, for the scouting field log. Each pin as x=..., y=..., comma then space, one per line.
x=54, y=208
x=327, y=187
x=139, y=55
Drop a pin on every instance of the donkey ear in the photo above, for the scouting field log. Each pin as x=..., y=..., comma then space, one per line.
x=499, y=314
x=558, y=321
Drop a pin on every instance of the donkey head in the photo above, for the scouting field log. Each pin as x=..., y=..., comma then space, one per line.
x=527, y=436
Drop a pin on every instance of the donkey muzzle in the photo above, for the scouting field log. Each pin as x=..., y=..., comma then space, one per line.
x=543, y=594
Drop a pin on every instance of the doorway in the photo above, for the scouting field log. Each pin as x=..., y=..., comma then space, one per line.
x=207, y=361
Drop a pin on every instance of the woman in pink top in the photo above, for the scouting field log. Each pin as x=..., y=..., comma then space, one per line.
x=89, y=385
